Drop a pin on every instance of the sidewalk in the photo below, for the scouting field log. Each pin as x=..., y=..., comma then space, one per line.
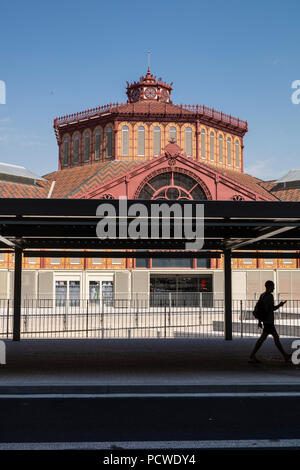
x=144, y=366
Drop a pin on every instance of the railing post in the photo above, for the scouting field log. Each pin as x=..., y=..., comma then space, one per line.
x=87, y=318
x=228, y=294
x=137, y=313
x=200, y=308
x=7, y=319
x=170, y=306
x=165, y=320
x=102, y=317
x=241, y=317
x=17, y=294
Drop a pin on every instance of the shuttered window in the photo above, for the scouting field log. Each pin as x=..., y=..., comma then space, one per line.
x=220, y=148
x=66, y=151
x=203, y=143
x=212, y=146
x=229, y=151
x=237, y=153
x=76, y=148
x=109, y=142
x=87, y=142
x=156, y=141
x=141, y=141
x=125, y=141
x=188, y=142
x=172, y=134
x=97, y=144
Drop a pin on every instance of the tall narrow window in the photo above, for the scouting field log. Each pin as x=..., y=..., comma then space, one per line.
x=97, y=144
x=66, y=151
x=141, y=141
x=203, y=150
x=156, y=141
x=212, y=146
x=109, y=142
x=76, y=148
x=220, y=148
x=237, y=153
x=188, y=142
x=125, y=141
x=87, y=142
x=173, y=134
x=229, y=151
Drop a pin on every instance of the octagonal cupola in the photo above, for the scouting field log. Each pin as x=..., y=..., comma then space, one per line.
x=149, y=89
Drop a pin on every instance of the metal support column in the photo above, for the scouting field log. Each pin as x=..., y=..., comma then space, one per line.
x=17, y=294
x=228, y=294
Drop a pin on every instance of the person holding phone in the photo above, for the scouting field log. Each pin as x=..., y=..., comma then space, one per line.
x=268, y=324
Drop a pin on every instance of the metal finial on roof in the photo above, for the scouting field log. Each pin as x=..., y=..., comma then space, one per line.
x=149, y=57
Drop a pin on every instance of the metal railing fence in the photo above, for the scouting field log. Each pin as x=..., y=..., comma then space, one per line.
x=140, y=318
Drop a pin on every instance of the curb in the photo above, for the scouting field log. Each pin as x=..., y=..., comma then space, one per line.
x=146, y=389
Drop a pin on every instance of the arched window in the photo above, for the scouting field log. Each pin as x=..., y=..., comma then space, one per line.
x=141, y=141
x=203, y=150
x=188, y=141
x=97, y=144
x=87, y=142
x=125, y=141
x=66, y=151
x=109, y=142
x=212, y=146
x=229, y=151
x=220, y=148
x=76, y=148
x=237, y=153
x=172, y=185
x=173, y=134
x=156, y=141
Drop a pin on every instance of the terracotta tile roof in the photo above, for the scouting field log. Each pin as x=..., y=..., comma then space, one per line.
x=284, y=194
x=112, y=170
x=249, y=181
x=117, y=168
x=17, y=190
x=69, y=179
x=72, y=182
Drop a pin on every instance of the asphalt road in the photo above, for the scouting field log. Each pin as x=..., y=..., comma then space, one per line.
x=148, y=418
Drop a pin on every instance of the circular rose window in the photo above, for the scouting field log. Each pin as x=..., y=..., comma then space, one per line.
x=172, y=186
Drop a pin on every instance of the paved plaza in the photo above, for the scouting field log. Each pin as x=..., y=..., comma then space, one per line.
x=150, y=365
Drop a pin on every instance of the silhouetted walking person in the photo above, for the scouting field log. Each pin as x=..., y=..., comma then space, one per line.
x=267, y=303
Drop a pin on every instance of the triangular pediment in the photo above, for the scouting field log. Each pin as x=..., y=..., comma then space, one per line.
x=216, y=184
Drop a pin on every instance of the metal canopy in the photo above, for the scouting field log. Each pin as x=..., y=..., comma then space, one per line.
x=66, y=224
x=27, y=225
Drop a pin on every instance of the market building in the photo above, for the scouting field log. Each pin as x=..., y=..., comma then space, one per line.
x=147, y=148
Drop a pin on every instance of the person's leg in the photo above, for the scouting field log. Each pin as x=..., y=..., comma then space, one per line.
x=279, y=345
x=258, y=344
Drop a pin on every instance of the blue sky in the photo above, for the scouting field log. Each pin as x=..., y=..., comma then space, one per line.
x=239, y=57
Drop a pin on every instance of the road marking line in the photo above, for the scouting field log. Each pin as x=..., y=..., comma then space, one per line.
x=150, y=395
x=218, y=444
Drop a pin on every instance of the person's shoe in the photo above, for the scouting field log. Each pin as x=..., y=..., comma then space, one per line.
x=254, y=360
